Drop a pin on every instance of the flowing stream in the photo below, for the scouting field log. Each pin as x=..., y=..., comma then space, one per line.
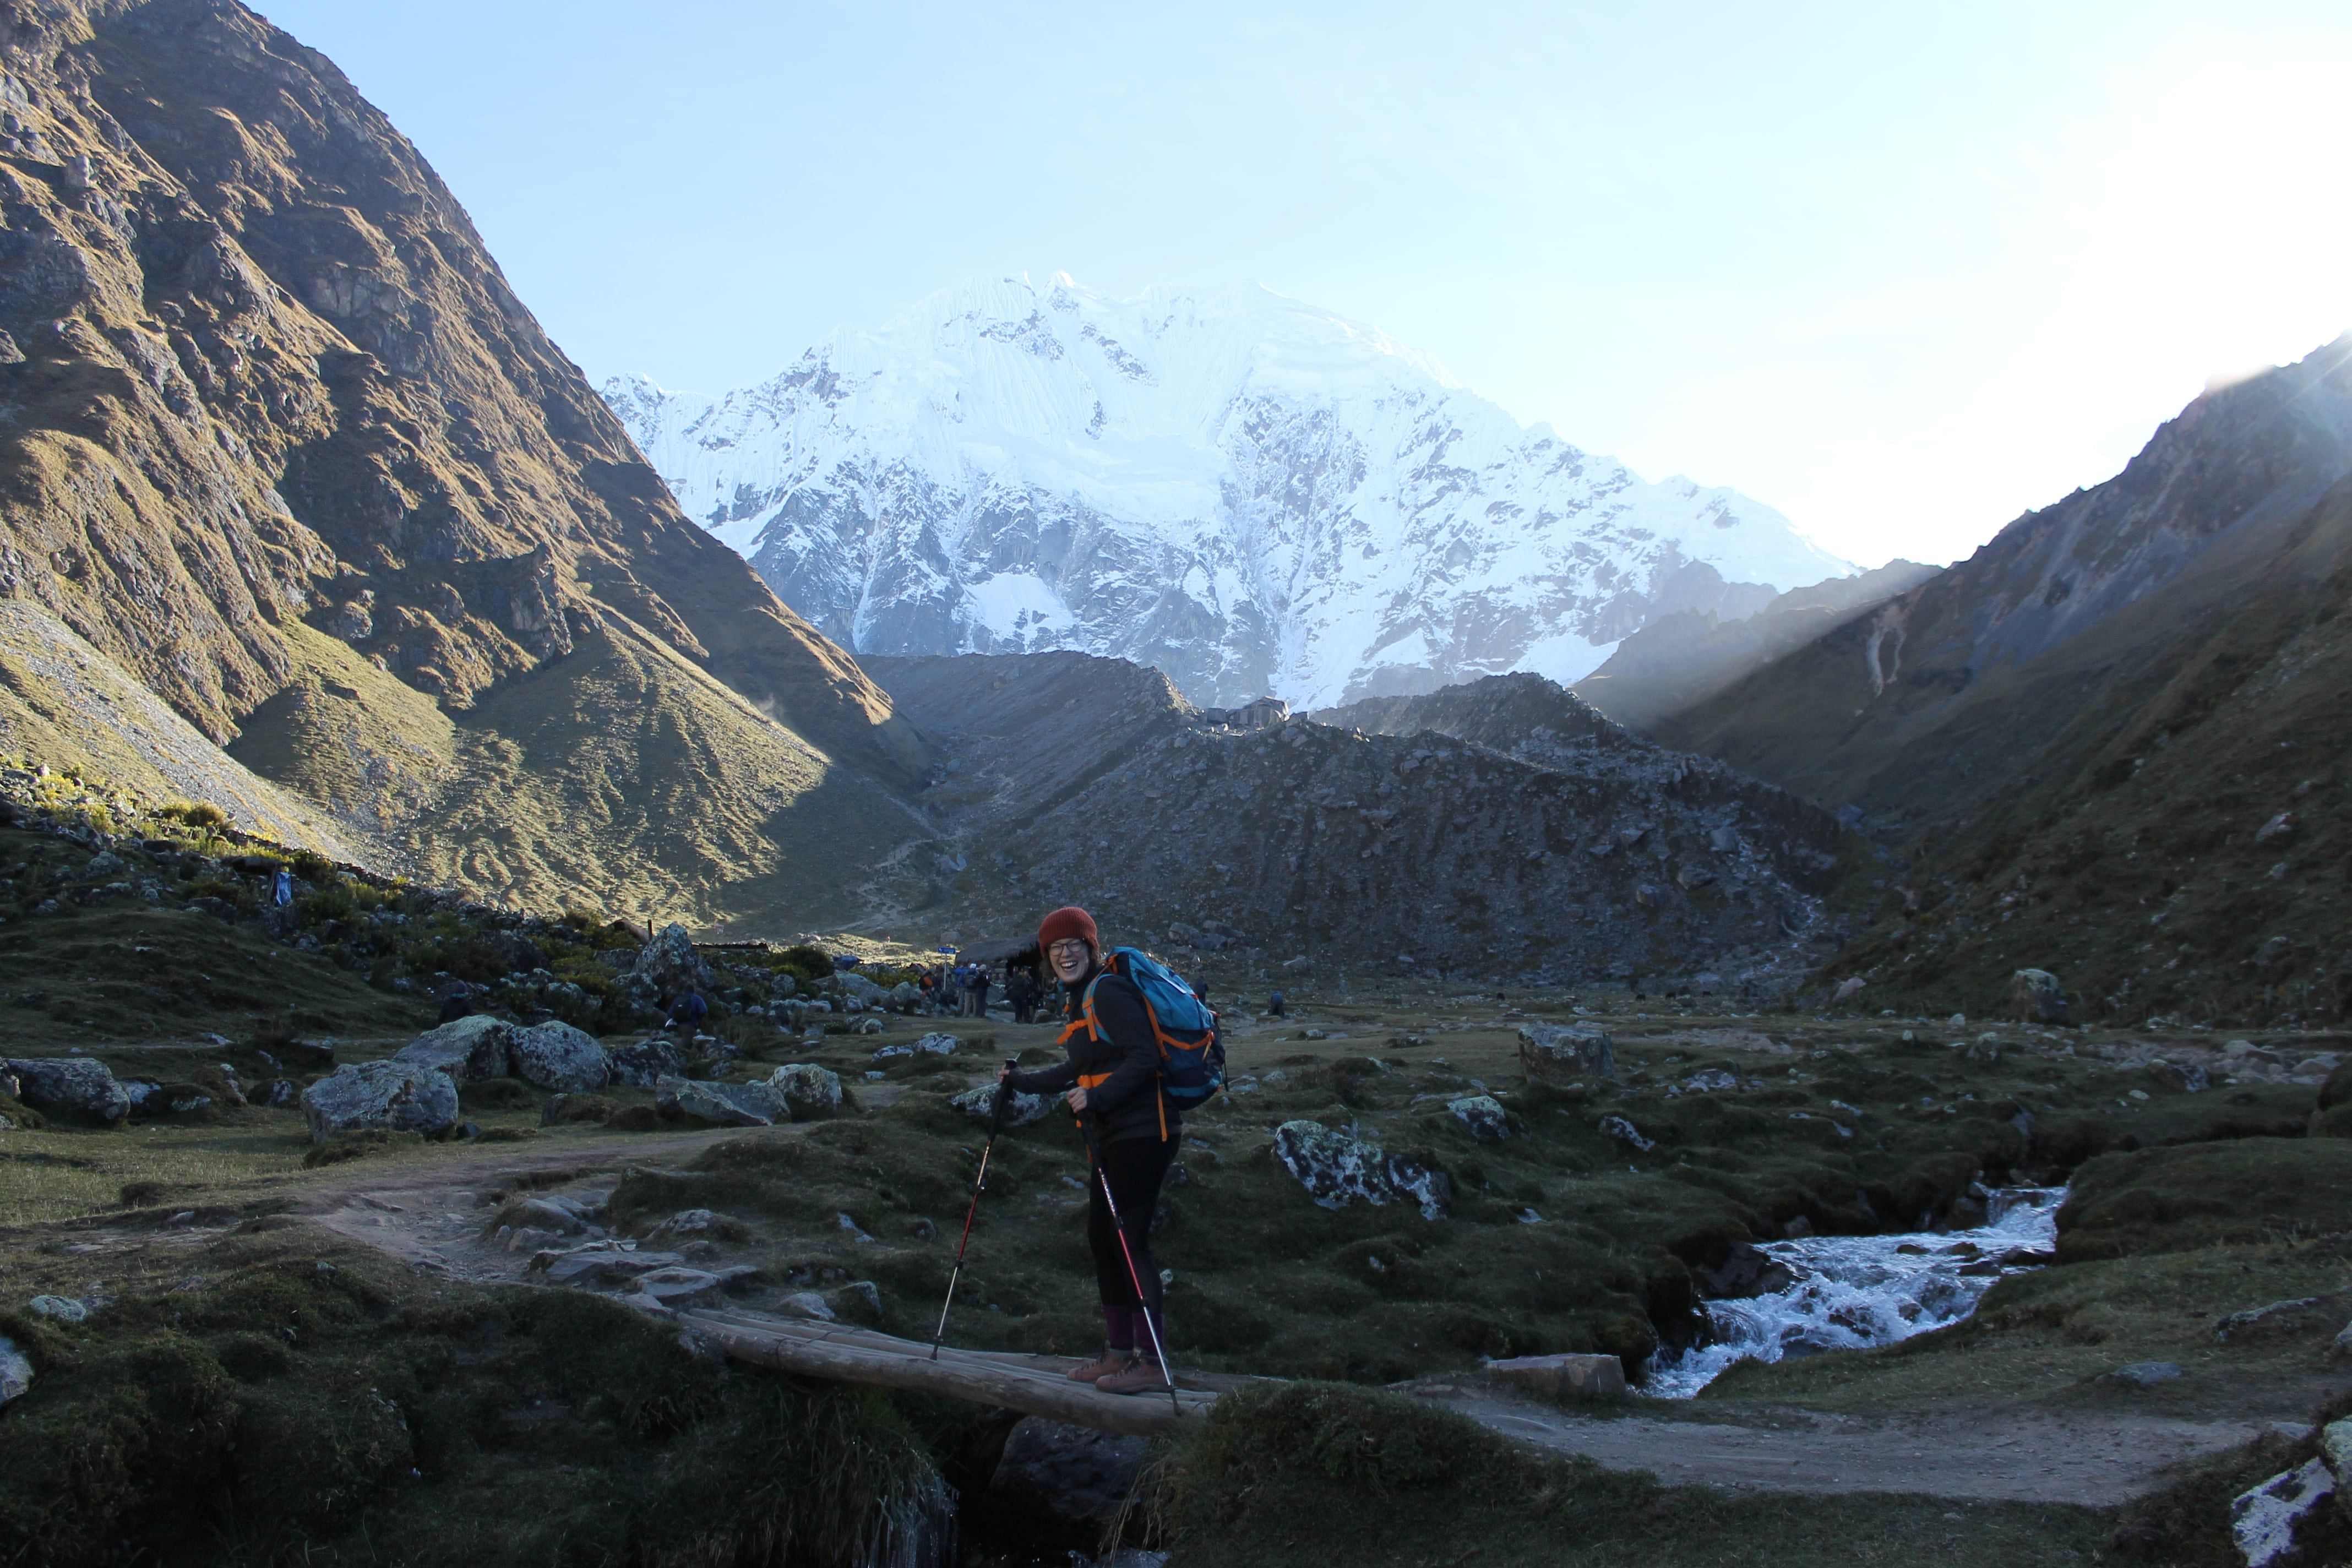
x=1851, y=1292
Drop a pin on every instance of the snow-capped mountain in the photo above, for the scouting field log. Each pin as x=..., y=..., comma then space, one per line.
x=1252, y=494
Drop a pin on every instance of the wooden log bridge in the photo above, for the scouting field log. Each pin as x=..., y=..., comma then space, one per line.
x=1034, y=1385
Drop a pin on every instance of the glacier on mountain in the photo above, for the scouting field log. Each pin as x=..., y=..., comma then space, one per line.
x=1252, y=494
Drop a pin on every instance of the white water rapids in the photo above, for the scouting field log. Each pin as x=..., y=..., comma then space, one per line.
x=1851, y=1292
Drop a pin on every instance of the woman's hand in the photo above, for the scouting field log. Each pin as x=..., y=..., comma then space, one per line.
x=1004, y=1073
x=1077, y=1099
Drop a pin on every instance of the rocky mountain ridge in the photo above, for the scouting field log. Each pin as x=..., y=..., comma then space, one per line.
x=1679, y=660
x=282, y=447
x=1249, y=493
x=2111, y=745
x=1501, y=829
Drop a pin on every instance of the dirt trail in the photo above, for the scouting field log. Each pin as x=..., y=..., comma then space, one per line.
x=431, y=1215
x=1978, y=1454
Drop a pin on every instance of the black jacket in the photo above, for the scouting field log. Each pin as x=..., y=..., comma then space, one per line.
x=1128, y=1102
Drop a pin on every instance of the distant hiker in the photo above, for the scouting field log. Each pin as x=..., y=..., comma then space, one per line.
x=1112, y=1083
x=687, y=1013
x=1273, y=1006
x=458, y=1003
x=281, y=889
x=1021, y=991
x=982, y=978
x=927, y=983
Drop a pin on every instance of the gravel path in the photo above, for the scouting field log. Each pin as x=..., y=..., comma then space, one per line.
x=431, y=1215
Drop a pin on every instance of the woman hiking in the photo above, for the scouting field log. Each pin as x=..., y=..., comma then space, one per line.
x=1112, y=1083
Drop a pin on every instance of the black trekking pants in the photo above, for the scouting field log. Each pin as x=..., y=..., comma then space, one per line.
x=1136, y=1167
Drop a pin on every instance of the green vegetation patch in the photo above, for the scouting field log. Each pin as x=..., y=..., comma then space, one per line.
x=326, y=1406
x=2168, y=1200
x=1324, y=1473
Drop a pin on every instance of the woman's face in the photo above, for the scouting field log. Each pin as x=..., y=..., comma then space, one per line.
x=1071, y=958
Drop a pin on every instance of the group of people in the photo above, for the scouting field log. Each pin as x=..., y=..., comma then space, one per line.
x=961, y=990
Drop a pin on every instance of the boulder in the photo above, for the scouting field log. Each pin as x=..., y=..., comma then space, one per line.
x=2278, y=1317
x=2036, y=997
x=905, y=997
x=2265, y=1519
x=1618, y=1130
x=859, y=1301
x=1562, y=1377
x=640, y=1064
x=555, y=1056
x=2278, y=826
x=1073, y=1474
x=1338, y=1170
x=15, y=1371
x=2145, y=1374
x=2335, y=1447
x=600, y=1266
x=470, y=1049
x=1484, y=1115
x=678, y=1285
x=856, y=986
x=70, y=1085
x=1560, y=1052
x=1746, y=1270
x=721, y=1104
x=1020, y=1110
x=669, y=964
x=937, y=1044
x=805, y=1304
x=64, y=1309
x=392, y=1095
x=810, y=1092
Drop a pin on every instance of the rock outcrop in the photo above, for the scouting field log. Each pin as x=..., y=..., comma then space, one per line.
x=390, y=1095
x=72, y=1087
x=721, y=1104
x=1338, y=1170
x=555, y=1056
x=469, y=1049
x=642, y=1063
x=1562, y=1052
x=809, y=1092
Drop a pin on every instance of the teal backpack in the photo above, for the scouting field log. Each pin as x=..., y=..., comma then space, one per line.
x=1192, y=1048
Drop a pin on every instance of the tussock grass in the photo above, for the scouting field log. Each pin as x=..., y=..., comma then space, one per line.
x=1327, y=1473
x=307, y=1401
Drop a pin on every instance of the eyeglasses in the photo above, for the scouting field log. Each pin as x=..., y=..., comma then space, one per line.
x=1072, y=946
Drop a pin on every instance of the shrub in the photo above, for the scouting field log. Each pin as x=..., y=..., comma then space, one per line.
x=196, y=814
x=802, y=962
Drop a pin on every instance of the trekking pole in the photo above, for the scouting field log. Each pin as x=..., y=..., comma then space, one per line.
x=1093, y=1157
x=979, y=1185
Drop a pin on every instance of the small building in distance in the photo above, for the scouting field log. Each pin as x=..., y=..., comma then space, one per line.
x=1264, y=713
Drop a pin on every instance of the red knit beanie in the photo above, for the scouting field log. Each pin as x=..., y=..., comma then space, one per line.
x=1069, y=921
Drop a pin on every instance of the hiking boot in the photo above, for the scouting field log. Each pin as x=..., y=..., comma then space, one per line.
x=1103, y=1365
x=1140, y=1375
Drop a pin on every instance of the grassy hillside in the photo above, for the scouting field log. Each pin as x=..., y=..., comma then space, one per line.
x=286, y=452
x=2172, y=840
x=2108, y=805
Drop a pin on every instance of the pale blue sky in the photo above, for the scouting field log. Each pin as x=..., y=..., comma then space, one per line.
x=1901, y=271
